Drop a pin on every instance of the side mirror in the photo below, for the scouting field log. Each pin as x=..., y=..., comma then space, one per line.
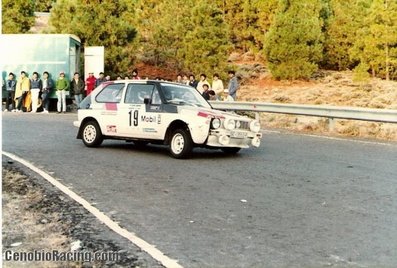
x=147, y=100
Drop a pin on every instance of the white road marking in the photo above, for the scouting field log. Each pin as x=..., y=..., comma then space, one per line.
x=330, y=138
x=142, y=244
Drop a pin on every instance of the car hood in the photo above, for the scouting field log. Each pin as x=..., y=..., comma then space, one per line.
x=208, y=112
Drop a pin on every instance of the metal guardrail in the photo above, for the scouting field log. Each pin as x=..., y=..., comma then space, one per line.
x=332, y=112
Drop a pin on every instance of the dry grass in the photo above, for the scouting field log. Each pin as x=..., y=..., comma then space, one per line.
x=22, y=224
x=335, y=88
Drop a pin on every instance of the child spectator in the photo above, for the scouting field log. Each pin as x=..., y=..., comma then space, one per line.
x=208, y=94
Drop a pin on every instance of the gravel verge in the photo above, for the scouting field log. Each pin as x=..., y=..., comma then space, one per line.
x=38, y=217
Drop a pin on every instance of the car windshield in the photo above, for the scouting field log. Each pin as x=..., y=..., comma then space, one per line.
x=183, y=95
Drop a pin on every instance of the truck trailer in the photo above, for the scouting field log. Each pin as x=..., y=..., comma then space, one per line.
x=39, y=53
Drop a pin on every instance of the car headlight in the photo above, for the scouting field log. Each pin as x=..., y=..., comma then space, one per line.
x=255, y=126
x=216, y=123
x=230, y=124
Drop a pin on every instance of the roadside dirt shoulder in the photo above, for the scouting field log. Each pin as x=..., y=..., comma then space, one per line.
x=37, y=217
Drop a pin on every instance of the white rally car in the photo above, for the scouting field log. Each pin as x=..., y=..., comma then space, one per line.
x=145, y=111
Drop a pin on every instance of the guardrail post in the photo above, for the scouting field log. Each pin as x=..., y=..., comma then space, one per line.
x=331, y=124
x=257, y=116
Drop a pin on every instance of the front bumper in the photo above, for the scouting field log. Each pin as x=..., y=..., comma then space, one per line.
x=233, y=138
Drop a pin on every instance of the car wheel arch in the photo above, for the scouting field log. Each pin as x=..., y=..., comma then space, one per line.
x=85, y=120
x=172, y=127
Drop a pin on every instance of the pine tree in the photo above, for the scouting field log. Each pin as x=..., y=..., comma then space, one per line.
x=293, y=45
x=343, y=25
x=18, y=16
x=266, y=13
x=205, y=48
x=376, y=45
x=100, y=23
x=162, y=26
x=43, y=5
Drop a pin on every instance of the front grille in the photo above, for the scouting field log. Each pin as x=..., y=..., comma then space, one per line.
x=243, y=125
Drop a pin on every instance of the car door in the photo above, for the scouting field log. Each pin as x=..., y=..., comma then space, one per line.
x=137, y=119
x=107, y=103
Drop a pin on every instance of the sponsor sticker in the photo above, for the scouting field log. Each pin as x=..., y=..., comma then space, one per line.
x=111, y=129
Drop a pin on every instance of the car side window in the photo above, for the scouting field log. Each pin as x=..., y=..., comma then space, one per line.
x=110, y=93
x=136, y=93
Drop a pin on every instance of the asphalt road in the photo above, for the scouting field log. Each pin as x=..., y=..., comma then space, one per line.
x=295, y=201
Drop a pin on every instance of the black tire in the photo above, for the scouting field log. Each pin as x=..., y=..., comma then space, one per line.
x=91, y=134
x=140, y=144
x=231, y=150
x=181, y=144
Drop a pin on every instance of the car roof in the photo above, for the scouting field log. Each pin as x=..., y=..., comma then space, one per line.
x=144, y=80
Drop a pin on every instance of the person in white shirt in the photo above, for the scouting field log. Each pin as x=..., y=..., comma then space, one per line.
x=203, y=81
x=217, y=87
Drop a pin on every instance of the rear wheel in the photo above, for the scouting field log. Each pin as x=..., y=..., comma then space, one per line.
x=181, y=144
x=231, y=150
x=92, y=135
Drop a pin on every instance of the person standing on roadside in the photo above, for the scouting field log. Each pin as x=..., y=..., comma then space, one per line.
x=101, y=79
x=62, y=89
x=135, y=75
x=90, y=83
x=10, y=91
x=203, y=81
x=22, y=90
x=185, y=80
x=77, y=88
x=217, y=87
x=232, y=87
x=48, y=85
x=192, y=81
x=35, y=87
x=179, y=79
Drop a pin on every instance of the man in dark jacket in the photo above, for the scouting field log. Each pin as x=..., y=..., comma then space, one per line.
x=48, y=86
x=77, y=88
x=101, y=79
x=233, y=86
x=10, y=92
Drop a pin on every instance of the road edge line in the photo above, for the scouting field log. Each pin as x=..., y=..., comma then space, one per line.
x=114, y=226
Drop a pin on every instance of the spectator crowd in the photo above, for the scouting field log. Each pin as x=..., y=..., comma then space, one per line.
x=24, y=94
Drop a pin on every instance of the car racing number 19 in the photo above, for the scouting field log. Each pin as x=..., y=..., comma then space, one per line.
x=134, y=115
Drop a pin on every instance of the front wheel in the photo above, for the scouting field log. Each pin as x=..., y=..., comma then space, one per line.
x=231, y=150
x=181, y=144
x=92, y=135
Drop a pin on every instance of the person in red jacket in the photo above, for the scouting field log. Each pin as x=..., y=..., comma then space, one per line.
x=90, y=83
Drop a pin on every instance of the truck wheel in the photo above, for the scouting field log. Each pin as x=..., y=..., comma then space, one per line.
x=181, y=144
x=92, y=136
x=231, y=150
